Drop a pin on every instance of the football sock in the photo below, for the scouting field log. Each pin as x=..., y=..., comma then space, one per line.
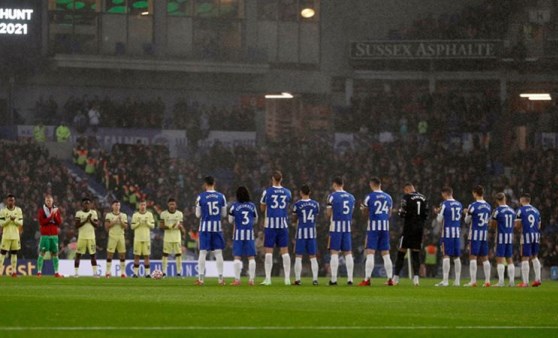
x=165, y=264
x=136, y=268
x=445, y=269
x=109, y=267
x=334, y=264
x=219, y=259
x=178, y=264
x=525, y=271
x=147, y=269
x=537, y=268
x=350, y=267
x=298, y=267
x=94, y=270
x=473, y=270
x=287, y=266
x=201, y=264
x=237, y=266
x=457, y=266
x=314, y=265
x=511, y=272
x=14, y=263
x=399, y=262
x=369, y=266
x=252, y=269
x=415, y=259
x=388, y=266
x=500, y=268
x=40, y=262
x=55, y=262
x=268, y=266
x=122, y=267
x=2, y=258
x=487, y=268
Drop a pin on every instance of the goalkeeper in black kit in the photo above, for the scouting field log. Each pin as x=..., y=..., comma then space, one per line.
x=414, y=212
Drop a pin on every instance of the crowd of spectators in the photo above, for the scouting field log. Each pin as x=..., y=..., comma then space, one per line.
x=89, y=113
x=404, y=113
x=29, y=173
x=488, y=20
x=148, y=172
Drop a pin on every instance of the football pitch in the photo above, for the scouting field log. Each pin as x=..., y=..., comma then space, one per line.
x=88, y=307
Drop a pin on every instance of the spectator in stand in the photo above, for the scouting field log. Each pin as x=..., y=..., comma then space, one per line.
x=94, y=117
x=63, y=133
x=39, y=133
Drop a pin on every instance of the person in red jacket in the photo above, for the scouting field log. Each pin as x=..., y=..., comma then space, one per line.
x=49, y=224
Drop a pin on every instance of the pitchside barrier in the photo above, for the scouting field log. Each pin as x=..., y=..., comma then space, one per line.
x=27, y=267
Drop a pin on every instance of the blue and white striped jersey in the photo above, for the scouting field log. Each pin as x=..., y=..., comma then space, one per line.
x=504, y=217
x=379, y=205
x=342, y=205
x=276, y=201
x=306, y=212
x=211, y=207
x=450, y=215
x=244, y=216
x=479, y=212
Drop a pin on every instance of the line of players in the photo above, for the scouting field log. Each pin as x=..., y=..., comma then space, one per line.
x=211, y=207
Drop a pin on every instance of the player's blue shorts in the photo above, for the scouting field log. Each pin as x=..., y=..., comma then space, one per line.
x=276, y=237
x=244, y=248
x=479, y=248
x=504, y=250
x=530, y=249
x=306, y=247
x=378, y=240
x=340, y=241
x=211, y=241
x=452, y=247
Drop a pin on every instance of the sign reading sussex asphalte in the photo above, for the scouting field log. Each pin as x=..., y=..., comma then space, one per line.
x=430, y=49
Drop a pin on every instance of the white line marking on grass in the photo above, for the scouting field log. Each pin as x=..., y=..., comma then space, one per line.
x=265, y=328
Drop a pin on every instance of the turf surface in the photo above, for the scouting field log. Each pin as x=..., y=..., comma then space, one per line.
x=88, y=307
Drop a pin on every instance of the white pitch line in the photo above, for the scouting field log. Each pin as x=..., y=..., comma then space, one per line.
x=267, y=328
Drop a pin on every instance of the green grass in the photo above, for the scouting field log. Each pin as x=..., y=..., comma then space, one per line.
x=121, y=307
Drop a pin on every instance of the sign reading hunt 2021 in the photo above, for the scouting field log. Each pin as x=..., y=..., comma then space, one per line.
x=421, y=49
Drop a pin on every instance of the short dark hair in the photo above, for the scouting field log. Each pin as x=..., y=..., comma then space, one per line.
x=277, y=176
x=85, y=199
x=526, y=196
x=500, y=196
x=305, y=189
x=242, y=194
x=209, y=180
x=447, y=190
x=115, y=201
x=375, y=180
x=338, y=180
x=10, y=196
x=479, y=190
x=171, y=200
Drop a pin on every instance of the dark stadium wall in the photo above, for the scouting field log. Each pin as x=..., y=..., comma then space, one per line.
x=346, y=21
x=340, y=23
